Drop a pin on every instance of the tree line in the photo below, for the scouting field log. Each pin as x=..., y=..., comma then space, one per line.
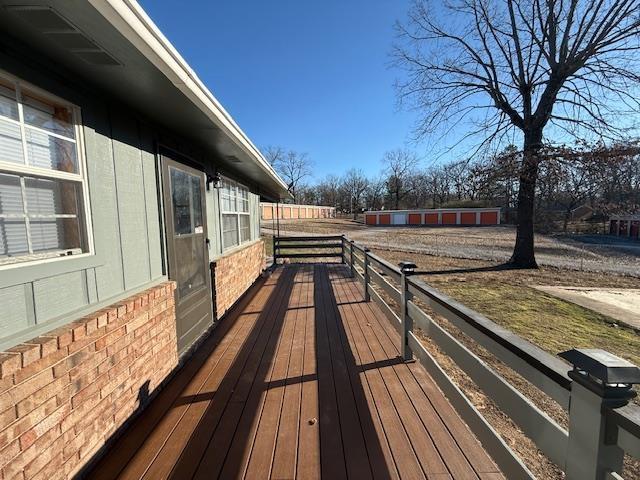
x=584, y=181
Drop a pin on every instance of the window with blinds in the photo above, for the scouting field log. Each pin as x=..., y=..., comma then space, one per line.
x=42, y=180
x=236, y=218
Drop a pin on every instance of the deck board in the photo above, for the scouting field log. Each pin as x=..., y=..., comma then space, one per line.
x=301, y=380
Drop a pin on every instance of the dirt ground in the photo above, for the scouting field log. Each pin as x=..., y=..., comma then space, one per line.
x=595, y=253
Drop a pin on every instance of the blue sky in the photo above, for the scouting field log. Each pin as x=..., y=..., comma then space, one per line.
x=311, y=76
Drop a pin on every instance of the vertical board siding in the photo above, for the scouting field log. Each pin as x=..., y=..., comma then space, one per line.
x=151, y=201
x=213, y=223
x=254, y=208
x=14, y=309
x=55, y=296
x=131, y=201
x=104, y=207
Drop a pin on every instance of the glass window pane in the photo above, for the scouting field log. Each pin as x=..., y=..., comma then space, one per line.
x=8, y=104
x=13, y=237
x=187, y=202
x=45, y=151
x=245, y=228
x=56, y=234
x=196, y=202
x=10, y=143
x=49, y=197
x=229, y=230
x=190, y=275
x=44, y=113
x=10, y=195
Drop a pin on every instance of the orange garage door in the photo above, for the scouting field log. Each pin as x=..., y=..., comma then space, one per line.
x=489, y=218
x=371, y=219
x=415, y=218
x=384, y=219
x=448, y=218
x=468, y=218
x=431, y=218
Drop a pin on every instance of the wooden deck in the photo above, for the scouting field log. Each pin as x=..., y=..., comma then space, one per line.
x=301, y=380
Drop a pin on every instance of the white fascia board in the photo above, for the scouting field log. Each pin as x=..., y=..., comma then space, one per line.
x=128, y=17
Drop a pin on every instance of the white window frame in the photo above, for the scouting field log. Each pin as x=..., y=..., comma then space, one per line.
x=237, y=188
x=34, y=258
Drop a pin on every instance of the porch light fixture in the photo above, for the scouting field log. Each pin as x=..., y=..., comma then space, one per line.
x=214, y=180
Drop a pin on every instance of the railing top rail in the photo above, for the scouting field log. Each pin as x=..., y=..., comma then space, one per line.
x=627, y=417
x=546, y=363
x=308, y=239
x=384, y=263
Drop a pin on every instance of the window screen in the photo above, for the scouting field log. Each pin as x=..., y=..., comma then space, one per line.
x=42, y=185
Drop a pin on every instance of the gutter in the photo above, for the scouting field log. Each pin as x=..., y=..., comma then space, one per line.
x=128, y=17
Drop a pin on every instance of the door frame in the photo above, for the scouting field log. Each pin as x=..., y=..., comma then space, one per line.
x=168, y=157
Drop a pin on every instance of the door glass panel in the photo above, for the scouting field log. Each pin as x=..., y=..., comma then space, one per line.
x=190, y=264
x=187, y=202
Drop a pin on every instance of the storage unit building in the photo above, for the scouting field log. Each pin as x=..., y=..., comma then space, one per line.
x=434, y=217
x=625, y=226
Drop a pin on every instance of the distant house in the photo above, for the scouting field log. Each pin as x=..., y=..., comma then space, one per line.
x=121, y=179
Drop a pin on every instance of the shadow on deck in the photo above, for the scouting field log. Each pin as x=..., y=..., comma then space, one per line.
x=301, y=380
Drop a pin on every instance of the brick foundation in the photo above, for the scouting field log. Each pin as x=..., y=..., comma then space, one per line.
x=63, y=394
x=235, y=273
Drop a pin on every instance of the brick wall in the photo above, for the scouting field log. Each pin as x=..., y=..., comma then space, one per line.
x=235, y=273
x=63, y=394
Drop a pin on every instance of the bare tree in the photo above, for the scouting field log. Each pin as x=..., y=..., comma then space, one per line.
x=294, y=167
x=374, y=196
x=355, y=184
x=328, y=191
x=508, y=66
x=399, y=165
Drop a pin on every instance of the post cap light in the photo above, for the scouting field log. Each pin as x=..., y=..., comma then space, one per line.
x=608, y=376
x=407, y=267
x=603, y=366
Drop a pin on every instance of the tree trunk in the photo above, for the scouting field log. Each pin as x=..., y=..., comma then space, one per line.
x=523, y=253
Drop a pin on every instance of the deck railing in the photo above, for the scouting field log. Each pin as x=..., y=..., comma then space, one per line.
x=603, y=425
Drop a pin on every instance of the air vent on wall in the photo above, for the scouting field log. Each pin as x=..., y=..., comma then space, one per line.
x=53, y=26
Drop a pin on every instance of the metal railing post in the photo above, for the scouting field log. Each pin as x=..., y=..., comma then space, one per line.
x=406, y=269
x=275, y=258
x=601, y=381
x=367, y=297
x=342, y=248
x=351, y=258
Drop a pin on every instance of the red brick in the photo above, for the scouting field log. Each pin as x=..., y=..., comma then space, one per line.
x=41, y=395
x=9, y=363
x=28, y=353
x=63, y=335
x=40, y=365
